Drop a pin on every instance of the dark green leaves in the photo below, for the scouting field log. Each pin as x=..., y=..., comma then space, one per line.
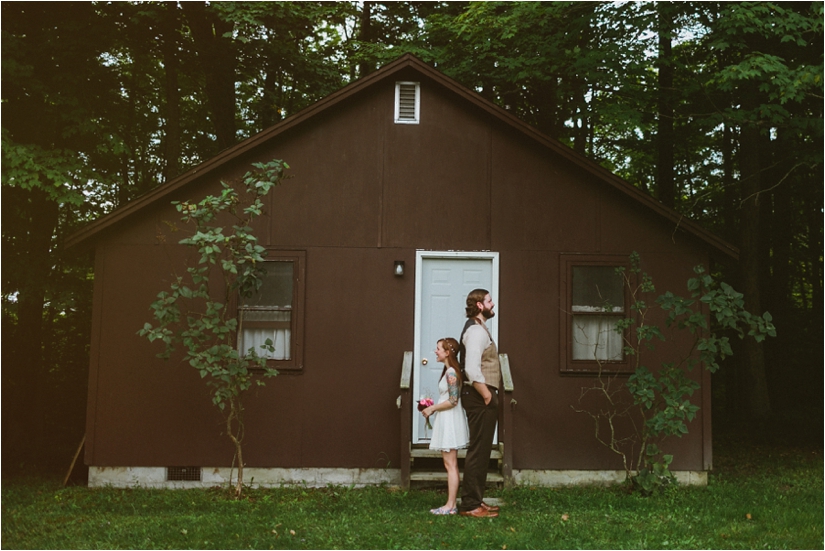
x=208, y=332
x=660, y=399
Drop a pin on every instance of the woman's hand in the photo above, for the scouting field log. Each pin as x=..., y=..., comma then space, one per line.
x=426, y=412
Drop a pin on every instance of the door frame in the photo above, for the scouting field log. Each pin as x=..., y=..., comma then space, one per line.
x=420, y=256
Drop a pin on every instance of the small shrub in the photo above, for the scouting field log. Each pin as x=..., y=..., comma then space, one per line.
x=657, y=403
x=195, y=311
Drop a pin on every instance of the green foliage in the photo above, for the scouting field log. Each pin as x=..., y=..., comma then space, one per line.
x=553, y=64
x=782, y=78
x=727, y=309
x=656, y=476
x=661, y=398
x=195, y=312
x=28, y=166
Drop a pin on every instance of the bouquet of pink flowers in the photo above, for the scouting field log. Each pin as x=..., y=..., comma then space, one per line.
x=423, y=404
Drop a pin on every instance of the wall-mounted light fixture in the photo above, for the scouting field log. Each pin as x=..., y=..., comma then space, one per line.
x=398, y=268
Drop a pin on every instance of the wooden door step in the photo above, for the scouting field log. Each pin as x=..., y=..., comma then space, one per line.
x=428, y=453
x=493, y=477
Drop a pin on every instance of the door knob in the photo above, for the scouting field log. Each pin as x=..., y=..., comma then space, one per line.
x=424, y=361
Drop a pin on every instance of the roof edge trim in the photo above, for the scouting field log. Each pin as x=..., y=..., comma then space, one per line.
x=407, y=60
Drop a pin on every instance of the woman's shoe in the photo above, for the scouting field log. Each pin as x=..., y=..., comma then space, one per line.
x=444, y=511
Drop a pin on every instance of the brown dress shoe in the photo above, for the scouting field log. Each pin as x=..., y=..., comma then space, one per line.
x=493, y=508
x=479, y=512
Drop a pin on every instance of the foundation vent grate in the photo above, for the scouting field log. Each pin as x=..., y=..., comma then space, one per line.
x=183, y=473
x=407, y=102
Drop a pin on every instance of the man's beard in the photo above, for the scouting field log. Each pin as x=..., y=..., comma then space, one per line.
x=487, y=313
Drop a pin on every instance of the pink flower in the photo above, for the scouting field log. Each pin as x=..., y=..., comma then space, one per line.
x=423, y=404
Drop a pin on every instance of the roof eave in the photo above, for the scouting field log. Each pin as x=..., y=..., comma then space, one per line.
x=226, y=155
x=407, y=60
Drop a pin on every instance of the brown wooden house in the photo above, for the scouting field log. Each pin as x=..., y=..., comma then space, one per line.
x=407, y=190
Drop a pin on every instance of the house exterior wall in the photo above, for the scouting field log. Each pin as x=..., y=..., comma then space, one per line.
x=364, y=193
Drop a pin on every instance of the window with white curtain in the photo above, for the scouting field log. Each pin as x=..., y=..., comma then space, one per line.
x=274, y=312
x=268, y=314
x=597, y=305
x=594, y=303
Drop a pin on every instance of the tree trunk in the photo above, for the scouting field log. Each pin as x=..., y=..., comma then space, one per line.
x=269, y=114
x=234, y=417
x=729, y=208
x=733, y=402
x=365, y=34
x=580, y=86
x=27, y=363
x=814, y=238
x=217, y=61
x=781, y=233
x=665, y=185
x=545, y=96
x=580, y=129
x=758, y=399
x=169, y=45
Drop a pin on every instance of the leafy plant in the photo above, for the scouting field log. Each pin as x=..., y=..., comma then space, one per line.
x=195, y=312
x=656, y=404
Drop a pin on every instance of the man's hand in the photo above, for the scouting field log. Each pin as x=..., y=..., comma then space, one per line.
x=484, y=391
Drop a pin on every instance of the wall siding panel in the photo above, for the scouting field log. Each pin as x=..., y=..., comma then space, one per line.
x=363, y=193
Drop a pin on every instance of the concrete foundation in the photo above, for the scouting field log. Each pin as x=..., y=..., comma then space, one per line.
x=155, y=477
x=554, y=479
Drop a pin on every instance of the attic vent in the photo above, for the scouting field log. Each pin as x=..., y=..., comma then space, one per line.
x=183, y=473
x=407, y=102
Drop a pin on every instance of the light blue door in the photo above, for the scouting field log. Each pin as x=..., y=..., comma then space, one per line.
x=444, y=280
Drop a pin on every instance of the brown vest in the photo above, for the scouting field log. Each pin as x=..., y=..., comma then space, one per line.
x=490, y=366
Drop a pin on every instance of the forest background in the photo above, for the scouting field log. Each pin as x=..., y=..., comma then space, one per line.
x=714, y=108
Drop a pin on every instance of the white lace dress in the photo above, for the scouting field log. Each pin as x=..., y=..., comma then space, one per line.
x=450, y=430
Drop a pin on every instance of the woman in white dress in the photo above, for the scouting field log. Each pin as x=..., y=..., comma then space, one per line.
x=450, y=432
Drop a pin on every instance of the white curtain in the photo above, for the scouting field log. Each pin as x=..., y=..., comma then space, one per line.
x=595, y=338
x=280, y=335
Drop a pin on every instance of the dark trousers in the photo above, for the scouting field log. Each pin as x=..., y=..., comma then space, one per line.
x=481, y=420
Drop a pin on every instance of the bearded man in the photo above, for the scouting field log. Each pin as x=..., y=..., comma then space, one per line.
x=479, y=398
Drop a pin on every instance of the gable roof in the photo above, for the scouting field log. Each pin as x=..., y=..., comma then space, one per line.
x=406, y=61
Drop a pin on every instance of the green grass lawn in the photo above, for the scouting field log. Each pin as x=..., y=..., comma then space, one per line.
x=758, y=498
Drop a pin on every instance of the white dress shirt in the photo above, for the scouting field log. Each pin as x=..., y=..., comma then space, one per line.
x=476, y=340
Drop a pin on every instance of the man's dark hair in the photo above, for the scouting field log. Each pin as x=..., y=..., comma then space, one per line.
x=475, y=296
